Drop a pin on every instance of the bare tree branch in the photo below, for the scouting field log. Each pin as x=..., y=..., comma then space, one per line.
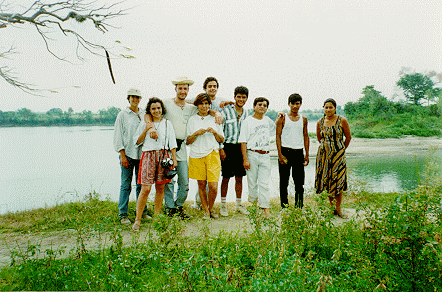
x=52, y=17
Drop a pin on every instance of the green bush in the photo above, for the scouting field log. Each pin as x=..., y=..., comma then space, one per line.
x=396, y=247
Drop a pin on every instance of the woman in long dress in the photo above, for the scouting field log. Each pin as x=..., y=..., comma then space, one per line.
x=331, y=168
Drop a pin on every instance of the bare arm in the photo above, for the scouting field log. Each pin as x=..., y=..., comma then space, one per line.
x=142, y=135
x=347, y=134
x=279, y=125
x=150, y=128
x=217, y=115
x=318, y=131
x=218, y=137
x=190, y=139
x=306, y=142
x=124, y=160
x=175, y=162
x=245, y=159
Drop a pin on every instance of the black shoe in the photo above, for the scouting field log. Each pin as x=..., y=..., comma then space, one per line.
x=183, y=214
x=172, y=212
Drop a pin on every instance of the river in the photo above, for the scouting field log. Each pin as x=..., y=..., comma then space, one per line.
x=44, y=166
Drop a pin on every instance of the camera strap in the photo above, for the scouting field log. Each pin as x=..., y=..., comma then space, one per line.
x=165, y=141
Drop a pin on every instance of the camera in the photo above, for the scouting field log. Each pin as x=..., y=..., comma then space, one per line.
x=171, y=173
x=167, y=163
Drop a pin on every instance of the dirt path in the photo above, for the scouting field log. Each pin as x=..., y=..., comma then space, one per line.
x=66, y=240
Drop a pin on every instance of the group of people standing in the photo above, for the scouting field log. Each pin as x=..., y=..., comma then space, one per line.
x=222, y=139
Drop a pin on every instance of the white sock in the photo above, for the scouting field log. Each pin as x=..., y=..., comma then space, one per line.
x=238, y=202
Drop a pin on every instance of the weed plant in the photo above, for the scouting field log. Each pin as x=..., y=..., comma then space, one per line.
x=395, y=247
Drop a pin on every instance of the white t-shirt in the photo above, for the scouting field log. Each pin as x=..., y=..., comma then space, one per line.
x=257, y=133
x=163, y=141
x=206, y=143
x=178, y=117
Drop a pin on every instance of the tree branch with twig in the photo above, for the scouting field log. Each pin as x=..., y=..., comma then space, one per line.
x=48, y=18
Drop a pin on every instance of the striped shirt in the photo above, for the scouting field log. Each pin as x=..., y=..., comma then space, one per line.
x=231, y=123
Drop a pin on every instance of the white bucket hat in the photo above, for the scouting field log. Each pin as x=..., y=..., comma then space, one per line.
x=134, y=91
x=182, y=80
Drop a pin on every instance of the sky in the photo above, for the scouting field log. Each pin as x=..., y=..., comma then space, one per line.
x=319, y=49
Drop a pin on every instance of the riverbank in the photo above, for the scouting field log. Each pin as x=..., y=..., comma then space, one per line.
x=367, y=146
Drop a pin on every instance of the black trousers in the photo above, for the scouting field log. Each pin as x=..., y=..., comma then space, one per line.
x=295, y=162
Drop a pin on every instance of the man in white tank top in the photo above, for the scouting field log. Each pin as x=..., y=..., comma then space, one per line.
x=291, y=141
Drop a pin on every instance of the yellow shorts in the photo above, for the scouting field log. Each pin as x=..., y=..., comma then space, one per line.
x=206, y=168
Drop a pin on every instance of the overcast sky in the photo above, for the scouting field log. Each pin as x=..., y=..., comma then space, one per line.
x=319, y=49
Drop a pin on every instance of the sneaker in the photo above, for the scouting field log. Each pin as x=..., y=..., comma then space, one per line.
x=223, y=210
x=206, y=217
x=196, y=206
x=145, y=216
x=214, y=215
x=183, y=214
x=135, y=227
x=241, y=209
x=125, y=221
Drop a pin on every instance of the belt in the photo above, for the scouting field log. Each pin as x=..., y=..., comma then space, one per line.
x=259, y=151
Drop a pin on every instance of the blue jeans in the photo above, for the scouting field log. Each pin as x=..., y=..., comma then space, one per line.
x=183, y=187
x=126, y=185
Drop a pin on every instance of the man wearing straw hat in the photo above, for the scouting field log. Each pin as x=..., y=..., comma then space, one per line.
x=178, y=112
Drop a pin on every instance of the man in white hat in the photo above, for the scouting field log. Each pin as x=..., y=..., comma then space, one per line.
x=126, y=124
x=178, y=112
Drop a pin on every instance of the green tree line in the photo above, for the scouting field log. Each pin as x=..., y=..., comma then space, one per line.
x=375, y=116
x=57, y=117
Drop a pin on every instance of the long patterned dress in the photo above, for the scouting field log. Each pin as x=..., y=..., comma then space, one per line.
x=331, y=168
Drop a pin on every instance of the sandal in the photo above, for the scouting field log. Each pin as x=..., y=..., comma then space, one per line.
x=135, y=227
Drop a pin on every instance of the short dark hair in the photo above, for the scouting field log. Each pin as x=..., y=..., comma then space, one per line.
x=202, y=97
x=260, y=99
x=155, y=100
x=241, y=90
x=330, y=100
x=294, y=98
x=208, y=79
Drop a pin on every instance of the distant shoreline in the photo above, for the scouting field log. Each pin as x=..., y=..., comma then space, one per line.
x=367, y=146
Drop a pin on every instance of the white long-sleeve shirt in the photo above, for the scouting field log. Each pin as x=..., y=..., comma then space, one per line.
x=125, y=126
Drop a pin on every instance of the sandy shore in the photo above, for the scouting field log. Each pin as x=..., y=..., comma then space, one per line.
x=364, y=146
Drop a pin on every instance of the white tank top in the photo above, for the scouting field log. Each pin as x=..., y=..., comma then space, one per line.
x=292, y=135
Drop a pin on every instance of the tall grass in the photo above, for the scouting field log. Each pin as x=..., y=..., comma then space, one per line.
x=396, y=247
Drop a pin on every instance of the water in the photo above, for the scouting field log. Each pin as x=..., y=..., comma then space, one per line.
x=43, y=166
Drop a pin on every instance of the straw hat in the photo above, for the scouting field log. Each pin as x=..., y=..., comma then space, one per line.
x=182, y=80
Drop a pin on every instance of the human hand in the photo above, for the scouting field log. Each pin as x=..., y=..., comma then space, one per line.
x=210, y=130
x=246, y=164
x=222, y=154
x=124, y=162
x=153, y=134
x=200, y=132
x=282, y=159
x=306, y=160
x=218, y=118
